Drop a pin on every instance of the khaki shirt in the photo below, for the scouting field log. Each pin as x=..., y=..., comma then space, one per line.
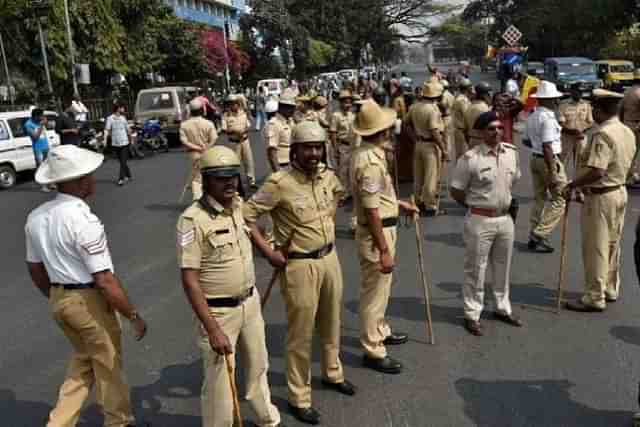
x=631, y=104
x=236, y=125
x=278, y=136
x=218, y=246
x=198, y=131
x=474, y=111
x=322, y=117
x=372, y=185
x=446, y=103
x=342, y=125
x=303, y=208
x=299, y=116
x=458, y=111
x=575, y=115
x=426, y=119
x=611, y=147
x=400, y=106
x=487, y=176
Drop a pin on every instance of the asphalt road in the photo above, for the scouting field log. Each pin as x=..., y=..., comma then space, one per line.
x=559, y=370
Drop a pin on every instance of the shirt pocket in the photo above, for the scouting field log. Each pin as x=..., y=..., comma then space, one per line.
x=221, y=245
x=486, y=178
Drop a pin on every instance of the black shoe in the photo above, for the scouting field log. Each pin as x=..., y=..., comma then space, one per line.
x=509, y=319
x=305, y=415
x=539, y=244
x=121, y=182
x=396, y=338
x=386, y=365
x=532, y=245
x=145, y=424
x=344, y=387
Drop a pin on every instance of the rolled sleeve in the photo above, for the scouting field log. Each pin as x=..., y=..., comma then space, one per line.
x=548, y=131
x=264, y=200
x=271, y=135
x=189, y=244
x=599, y=153
x=92, y=245
x=461, y=175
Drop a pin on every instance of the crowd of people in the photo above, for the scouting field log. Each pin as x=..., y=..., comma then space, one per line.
x=459, y=137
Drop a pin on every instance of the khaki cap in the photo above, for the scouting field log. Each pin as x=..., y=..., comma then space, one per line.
x=220, y=161
x=308, y=131
x=321, y=101
x=345, y=94
x=433, y=89
x=373, y=119
x=285, y=99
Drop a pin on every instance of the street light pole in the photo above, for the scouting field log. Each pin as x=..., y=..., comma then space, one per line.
x=71, y=49
x=44, y=56
x=226, y=56
x=6, y=70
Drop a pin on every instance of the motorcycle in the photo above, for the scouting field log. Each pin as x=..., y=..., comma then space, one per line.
x=149, y=136
x=92, y=140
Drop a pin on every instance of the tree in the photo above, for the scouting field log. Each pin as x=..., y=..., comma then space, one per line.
x=468, y=40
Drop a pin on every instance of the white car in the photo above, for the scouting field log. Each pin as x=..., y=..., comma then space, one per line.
x=16, y=152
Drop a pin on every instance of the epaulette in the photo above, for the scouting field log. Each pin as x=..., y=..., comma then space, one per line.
x=193, y=210
x=511, y=146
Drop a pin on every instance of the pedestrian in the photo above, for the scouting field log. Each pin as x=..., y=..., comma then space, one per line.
x=630, y=116
x=481, y=103
x=197, y=134
x=278, y=134
x=605, y=164
x=458, y=112
x=118, y=128
x=547, y=170
x=575, y=116
x=377, y=209
x=427, y=127
x=261, y=101
x=302, y=201
x=70, y=263
x=67, y=127
x=482, y=182
x=218, y=276
x=36, y=128
x=236, y=125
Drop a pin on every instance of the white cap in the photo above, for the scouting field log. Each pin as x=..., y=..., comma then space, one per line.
x=271, y=106
x=547, y=90
x=196, y=104
x=66, y=163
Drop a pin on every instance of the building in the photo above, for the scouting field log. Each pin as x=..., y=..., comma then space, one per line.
x=211, y=12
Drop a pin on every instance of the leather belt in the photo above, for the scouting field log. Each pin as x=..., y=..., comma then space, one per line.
x=390, y=222
x=230, y=301
x=74, y=286
x=491, y=213
x=284, y=165
x=602, y=190
x=317, y=254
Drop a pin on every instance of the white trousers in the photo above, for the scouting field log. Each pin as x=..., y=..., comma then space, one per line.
x=488, y=241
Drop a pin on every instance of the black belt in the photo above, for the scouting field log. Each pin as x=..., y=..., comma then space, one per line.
x=230, y=301
x=602, y=190
x=74, y=286
x=541, y=156
x=390, y=222
x=284, y=165
x=320, y=253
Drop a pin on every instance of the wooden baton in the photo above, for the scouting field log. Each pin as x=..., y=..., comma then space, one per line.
x=563, y=255
x=234, y=390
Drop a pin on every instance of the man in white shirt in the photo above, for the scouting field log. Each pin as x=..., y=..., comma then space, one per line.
x=547, y=170
x=118, y=127
x=69, y=262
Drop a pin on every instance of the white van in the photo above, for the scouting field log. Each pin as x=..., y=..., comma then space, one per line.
x=168, y=104
x=273, y=87
x=348, y=75
x=16, y=152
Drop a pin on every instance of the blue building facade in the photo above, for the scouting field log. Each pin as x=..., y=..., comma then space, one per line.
x=211, y=12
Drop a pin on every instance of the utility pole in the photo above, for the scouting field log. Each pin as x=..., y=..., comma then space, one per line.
x=227, y=58
x=71, y=49
x=44, y=56
x=6, y=70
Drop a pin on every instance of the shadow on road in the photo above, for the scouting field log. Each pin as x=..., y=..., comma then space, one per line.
x=22, y=413
x=531, y=403
x=628, y=334
x=412, y=309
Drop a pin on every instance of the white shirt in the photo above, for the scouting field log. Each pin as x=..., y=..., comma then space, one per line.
x=68, y=239
x=119, y=128
x=543, y=128
x=512, y=88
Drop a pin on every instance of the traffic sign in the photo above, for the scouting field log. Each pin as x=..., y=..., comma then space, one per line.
x=512, y=35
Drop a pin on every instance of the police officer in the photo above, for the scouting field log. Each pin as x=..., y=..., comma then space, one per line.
x=235, y=123
x=446, y=106
x=342, y=138
x=425, y=121
x=630, y=116
x=605, y=162
x=302, y=201
x=547, y=170
x=377, y=208
x=69, y=262
x=304, y=109
x=278, y=134
x=458, y=111
x=320, y=109
x=197, y=134
x=480, y=104
x=216, y=260
x=482, y=182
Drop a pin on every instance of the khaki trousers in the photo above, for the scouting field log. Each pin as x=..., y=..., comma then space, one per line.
x=488, y=242
x=244, y=326
x=244, y=153
x=343, y=159
x=427, y=166
x=460, y=142
x=602, y=221
x=312, y=291
x=94, y=332
x=545, y=216
x=572, y=147
x=375, y=290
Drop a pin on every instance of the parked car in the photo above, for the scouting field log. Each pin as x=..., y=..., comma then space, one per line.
x=616, y=75
x=16, y=153
x=568, y=70
x=163, y=103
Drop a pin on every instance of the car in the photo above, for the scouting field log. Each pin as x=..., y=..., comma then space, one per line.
x=167, y=104
x=16, y=152
x=617, y=75
x=564, y=71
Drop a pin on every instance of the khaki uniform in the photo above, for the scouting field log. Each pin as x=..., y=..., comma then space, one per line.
x=474, y=137
x=487, y=176
x=575, y=118
x=446, y=107
x=303, y=211
x=373, y=189
x=342, y=125
x=299, y=116
x=237, y=128
x=612, y=148
x=322, y=116
x=631, y=117
x=216, y=244
x=198, y=131
x=399, y=106
x=426, y=120
x=278, y=136
x=458, y=112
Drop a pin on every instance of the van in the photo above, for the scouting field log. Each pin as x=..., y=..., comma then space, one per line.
x=167, y=104
x=568, y=70
x=273, y=87
x=348, y=75
x=616, y=75
x=16, y=152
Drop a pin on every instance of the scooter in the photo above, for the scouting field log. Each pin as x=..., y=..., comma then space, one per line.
x=92, y=140
x=149, y=136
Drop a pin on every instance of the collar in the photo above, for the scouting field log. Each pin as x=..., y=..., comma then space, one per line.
x=544, y=109
x=376, y=149
x=610, y=121
x=64, y=197
x=218, y=209
x=301, y=176
x=486, y=150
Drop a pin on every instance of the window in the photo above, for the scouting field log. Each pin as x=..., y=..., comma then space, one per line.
x=4, y=132
x=17, y=127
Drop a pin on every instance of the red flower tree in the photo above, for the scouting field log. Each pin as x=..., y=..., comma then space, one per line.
x=216, y=56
